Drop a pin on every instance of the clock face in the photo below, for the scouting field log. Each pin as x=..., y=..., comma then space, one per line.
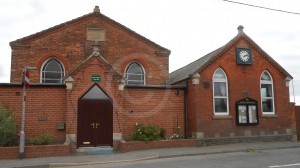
x=244, y=56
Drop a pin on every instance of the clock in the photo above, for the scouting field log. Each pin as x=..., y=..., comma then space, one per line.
x=243, y=56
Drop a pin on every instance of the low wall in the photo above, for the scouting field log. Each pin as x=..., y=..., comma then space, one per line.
x=35, y=151
x=139, y=145
x=230, y=140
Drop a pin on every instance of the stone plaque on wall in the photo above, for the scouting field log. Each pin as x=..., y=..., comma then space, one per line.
x=96, y=34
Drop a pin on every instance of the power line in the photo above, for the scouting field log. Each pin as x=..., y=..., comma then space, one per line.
x=278, y=10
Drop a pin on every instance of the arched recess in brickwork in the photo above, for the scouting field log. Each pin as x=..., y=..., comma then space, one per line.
x=220, y=92
x=57, y=56
x=140, y=58
x=52, y=71
x=95, y=118
x=267, y=93
x=135, y=74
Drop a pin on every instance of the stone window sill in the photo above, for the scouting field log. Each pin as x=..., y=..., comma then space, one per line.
x=222, y=117
x=269, y=116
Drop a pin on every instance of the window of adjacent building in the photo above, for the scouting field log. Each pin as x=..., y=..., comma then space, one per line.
x=135, y=74
x=267, y=94
x=52, y=71
x=220, y=92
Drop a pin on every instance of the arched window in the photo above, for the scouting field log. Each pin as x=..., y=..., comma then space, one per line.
x=220, y=93
x=135, y=74
x=267, y=94
x=52, y=71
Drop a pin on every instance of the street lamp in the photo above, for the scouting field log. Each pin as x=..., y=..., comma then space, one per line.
x=25, y=83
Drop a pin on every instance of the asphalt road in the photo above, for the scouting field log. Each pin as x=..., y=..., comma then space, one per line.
x=280, y=158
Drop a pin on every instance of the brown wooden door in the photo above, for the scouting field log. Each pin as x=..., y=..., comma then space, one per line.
x=95, y=122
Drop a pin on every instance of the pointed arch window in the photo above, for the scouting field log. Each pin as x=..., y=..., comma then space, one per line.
x=220, y=93
x=135, y=74
x=52, y=71
x=267, y=93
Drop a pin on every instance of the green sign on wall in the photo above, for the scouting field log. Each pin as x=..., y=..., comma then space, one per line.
x=96, y=78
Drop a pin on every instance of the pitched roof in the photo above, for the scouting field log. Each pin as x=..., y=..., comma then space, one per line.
x=96, y=13
x=196, y=66
x=186, y=71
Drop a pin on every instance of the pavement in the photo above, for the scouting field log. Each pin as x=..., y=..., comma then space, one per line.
x=116, y=157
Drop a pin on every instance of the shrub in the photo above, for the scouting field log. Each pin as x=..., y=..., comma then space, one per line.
x=43, y=139
x=8, y=128
x=148, y=132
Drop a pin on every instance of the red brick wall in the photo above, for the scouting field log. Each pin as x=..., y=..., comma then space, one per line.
x=68, y=43
x=35, y=151
x=42, y=101
x=148, y=105
x=139, y=145
x=240, y=79
x=158, y=106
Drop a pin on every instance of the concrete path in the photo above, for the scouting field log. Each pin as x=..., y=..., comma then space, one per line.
x=145, y=154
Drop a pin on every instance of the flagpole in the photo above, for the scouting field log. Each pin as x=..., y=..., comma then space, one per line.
x=25, y=83
x=22, y=134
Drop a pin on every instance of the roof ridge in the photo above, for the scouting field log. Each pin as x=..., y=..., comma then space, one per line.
x=201, y=61
x=48, y=29
x=206, y=55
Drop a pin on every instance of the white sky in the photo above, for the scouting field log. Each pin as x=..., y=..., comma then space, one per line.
x=189, y=28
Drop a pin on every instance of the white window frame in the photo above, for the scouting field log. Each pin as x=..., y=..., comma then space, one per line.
x=214, y=97
x=272, y=98
x=46, y=61
x=141, y=66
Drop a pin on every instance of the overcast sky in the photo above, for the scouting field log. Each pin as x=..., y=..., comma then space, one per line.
x=189, y=28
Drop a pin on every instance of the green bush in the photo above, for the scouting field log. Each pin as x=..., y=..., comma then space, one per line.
x=43, y=139
x=148, y=132
x=8, y=128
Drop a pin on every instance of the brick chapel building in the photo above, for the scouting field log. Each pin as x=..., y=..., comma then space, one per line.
x=96, y=79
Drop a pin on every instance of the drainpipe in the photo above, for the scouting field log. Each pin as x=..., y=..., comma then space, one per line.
x=185, y=112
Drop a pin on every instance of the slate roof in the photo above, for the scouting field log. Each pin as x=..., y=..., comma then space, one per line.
x=194, y=67
x=184, y=72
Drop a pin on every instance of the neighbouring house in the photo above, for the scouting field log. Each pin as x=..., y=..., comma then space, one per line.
x=96, y=79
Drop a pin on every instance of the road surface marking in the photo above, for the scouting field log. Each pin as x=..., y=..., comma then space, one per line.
x=288, y=165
